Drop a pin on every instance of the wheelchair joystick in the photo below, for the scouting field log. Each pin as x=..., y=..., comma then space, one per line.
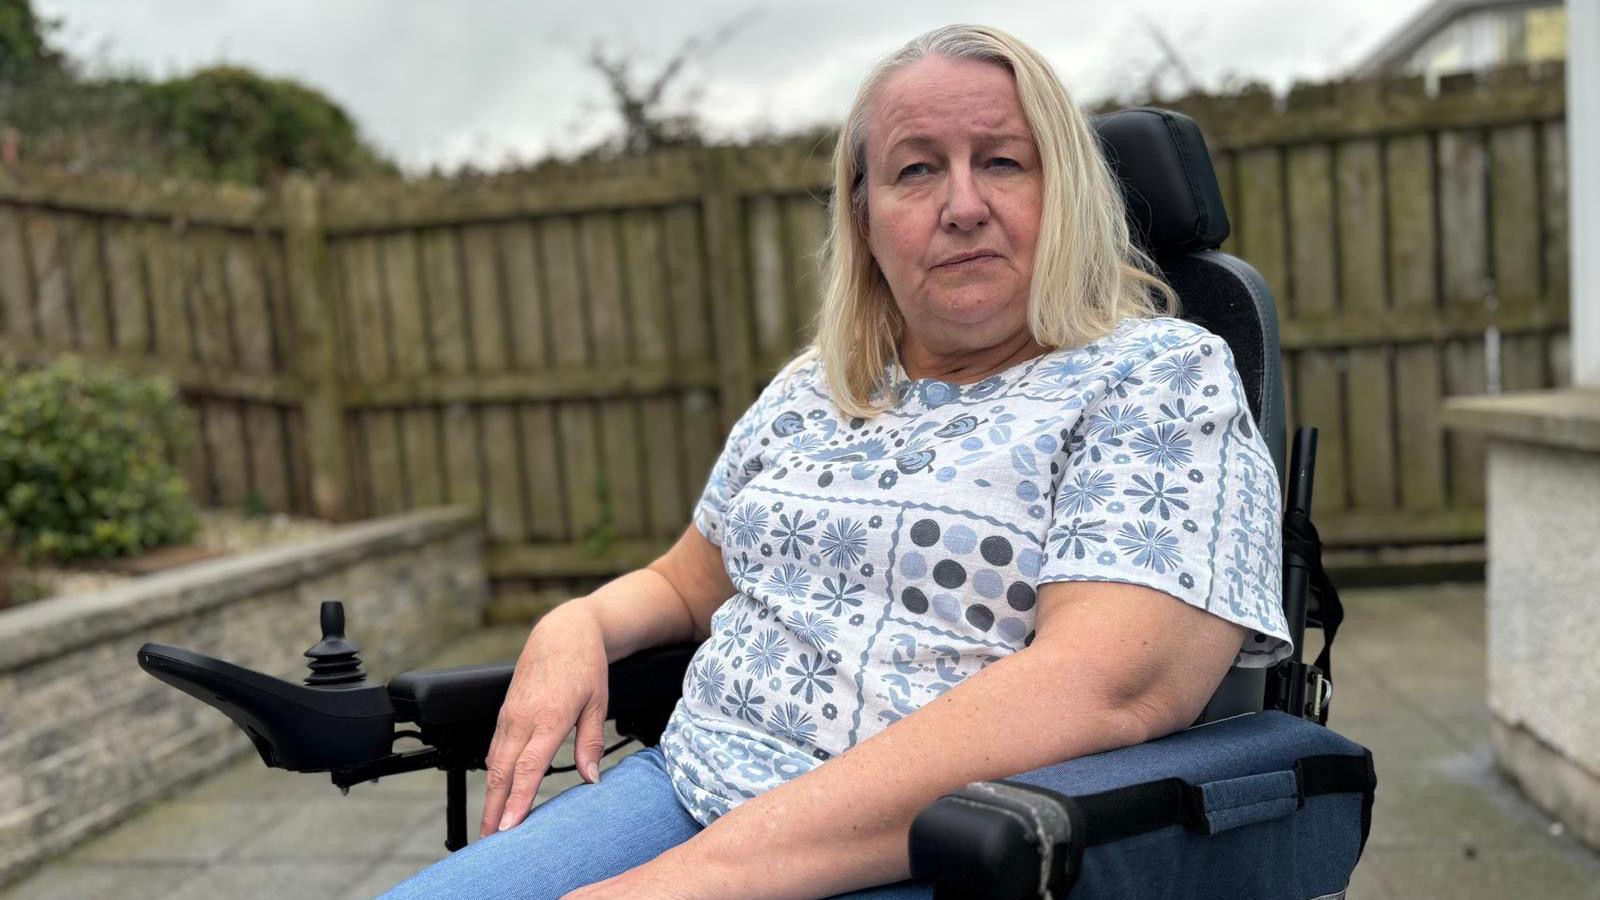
x=333, y=659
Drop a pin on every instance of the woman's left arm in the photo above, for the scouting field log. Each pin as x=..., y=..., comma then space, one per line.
x=1111, y=665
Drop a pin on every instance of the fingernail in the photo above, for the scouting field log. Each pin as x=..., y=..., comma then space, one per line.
x=594, y=773
x=508, y=820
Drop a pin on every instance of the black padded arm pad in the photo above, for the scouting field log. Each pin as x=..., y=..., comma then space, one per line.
x=643, y=689
x=447, y=696
x=1001, y=841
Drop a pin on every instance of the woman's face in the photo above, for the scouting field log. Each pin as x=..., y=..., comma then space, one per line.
x=954, y=192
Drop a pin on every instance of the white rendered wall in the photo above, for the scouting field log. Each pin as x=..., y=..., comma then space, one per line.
x=1544, y=688
x=1583, y=153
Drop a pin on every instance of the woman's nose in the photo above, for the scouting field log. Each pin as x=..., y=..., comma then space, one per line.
x=965, y=207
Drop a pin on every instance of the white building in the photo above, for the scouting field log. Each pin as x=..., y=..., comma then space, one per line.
x=1468, y=35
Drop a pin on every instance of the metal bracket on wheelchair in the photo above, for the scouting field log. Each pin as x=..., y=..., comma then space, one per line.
x=1300, y=689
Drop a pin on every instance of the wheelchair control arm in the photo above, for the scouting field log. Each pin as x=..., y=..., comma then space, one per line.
x=338, y=722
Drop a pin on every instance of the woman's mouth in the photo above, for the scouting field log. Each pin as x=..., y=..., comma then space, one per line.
x=971, y=260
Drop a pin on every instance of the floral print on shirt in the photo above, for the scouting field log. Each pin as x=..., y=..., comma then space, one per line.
x=879, y=562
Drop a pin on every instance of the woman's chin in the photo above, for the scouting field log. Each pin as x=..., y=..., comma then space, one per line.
x=980, y=309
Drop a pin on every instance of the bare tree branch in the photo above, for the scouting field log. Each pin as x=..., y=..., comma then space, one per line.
x=646, y=123
x=1172, y=60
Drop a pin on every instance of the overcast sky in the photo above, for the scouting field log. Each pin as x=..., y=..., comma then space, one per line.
x=432, y=82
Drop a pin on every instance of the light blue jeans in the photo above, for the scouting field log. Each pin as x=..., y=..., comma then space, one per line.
x=588, y=833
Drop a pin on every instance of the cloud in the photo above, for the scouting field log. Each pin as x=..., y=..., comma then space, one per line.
x=435, y=83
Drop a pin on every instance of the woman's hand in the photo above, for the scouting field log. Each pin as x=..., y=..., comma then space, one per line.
x=561, y=679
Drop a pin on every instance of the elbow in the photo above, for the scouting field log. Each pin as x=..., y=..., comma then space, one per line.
x=1129, y=711
x=1149, y=715
x=1118, y=727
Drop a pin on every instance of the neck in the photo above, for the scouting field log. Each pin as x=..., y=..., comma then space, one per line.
x=966, y=366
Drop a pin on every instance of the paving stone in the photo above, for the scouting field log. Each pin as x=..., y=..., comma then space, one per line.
x=250, y=779
x=1497, y=874
x=271, y=880
x=412, y=787
x=1424, y=812
x=424, y=845
x=1357, y=694
x=1365, y=886
x=1420, y=654
x=125, y=881
x=183, y=831
x=1399, y=746
x=347, y=830
x=383, y=877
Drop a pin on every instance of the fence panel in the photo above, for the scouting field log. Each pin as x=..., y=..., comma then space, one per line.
x=1313, y=295
x=1369, y=401
x=568, y=348
x=18, y=320
x=1412, y=249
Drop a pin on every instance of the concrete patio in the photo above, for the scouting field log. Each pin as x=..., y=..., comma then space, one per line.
x=1410, y=675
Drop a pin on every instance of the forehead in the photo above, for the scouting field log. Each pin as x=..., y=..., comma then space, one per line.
x=945, y=99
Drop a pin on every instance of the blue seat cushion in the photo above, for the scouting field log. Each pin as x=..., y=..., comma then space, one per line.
x=1251, y=835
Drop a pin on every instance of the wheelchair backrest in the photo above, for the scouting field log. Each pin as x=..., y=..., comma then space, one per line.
x=1176, y=213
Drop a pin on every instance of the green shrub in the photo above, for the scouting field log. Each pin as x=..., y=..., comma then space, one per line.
x=83, y=463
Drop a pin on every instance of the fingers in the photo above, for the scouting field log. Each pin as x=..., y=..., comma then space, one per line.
x=518, y=758
x=590, y=744
x=501, y=754
x=527, y=772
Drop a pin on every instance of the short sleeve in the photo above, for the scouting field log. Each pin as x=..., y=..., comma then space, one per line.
x=1168, y=484
x=740, y=460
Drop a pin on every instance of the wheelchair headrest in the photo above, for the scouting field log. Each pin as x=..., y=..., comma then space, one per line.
x=1174, y=204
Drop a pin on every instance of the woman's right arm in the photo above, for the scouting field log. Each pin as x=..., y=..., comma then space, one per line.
x=667, y=602
x=561, y=676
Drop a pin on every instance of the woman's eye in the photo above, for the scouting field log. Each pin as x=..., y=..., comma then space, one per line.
x=1005, y=162
x=914, y=170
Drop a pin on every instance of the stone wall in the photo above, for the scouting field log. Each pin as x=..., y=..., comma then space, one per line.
x=86, y=736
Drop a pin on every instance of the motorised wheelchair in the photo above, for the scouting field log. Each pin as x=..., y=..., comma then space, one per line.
x=1258, y=799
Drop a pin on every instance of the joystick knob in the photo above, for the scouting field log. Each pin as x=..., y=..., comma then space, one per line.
x=333, y=659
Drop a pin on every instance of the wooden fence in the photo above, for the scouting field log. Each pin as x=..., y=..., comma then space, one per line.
x=567, y=348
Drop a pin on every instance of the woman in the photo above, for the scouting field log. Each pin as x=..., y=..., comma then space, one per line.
x=1003, y=513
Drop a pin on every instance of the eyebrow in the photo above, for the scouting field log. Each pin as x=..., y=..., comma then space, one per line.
x=922, y=141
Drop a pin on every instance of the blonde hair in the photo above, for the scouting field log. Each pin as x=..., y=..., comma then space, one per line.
x=1088, y=274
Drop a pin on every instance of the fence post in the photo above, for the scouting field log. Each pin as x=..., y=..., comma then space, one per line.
x=725, y=263
x=316, y=354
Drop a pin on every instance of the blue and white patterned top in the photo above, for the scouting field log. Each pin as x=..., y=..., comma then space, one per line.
x=880, y=562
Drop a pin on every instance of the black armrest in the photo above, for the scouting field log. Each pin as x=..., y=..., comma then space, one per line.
x=348, y=727
x=448, y=696
x=997, y=840
x=644, y=688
